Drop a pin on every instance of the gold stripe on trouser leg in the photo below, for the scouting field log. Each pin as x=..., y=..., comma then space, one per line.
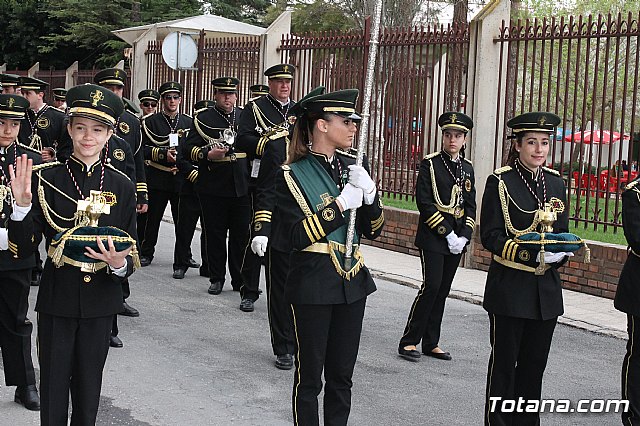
x=626, y=373
x=493, y=359
x=295, y=392
x=269, y=287
x=420, y=293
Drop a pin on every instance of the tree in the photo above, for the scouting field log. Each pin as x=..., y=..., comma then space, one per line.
x=249, y=11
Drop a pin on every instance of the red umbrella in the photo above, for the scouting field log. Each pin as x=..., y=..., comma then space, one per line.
x=596, y=136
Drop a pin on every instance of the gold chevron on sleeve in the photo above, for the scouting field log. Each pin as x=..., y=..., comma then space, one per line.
x=262, y=216
x=195, y=151
x=377, y=223
x=434, y=220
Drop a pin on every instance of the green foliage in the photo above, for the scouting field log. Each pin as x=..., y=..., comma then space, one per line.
x=248, y=11
x=58, y=32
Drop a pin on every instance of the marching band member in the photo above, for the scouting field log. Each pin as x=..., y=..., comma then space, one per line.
x=446, y=198
x=317, y=190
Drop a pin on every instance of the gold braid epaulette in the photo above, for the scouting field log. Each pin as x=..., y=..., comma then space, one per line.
x=631, y=185
x=552, y=171
x=28, y=148
x=432, y=155
x=501, y=170
x=43, y=166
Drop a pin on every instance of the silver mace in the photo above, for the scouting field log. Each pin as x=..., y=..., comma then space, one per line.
x=364, y=124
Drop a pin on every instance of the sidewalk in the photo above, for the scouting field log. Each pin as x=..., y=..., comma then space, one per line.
x=592, y=313
x=584, y=311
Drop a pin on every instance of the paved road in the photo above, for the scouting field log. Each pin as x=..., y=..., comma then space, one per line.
x=196, y=359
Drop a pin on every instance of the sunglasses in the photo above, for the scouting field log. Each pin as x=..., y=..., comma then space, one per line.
x=172, y=97
x=149, y=104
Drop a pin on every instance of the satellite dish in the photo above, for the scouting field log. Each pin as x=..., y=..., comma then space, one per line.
x=179, y=51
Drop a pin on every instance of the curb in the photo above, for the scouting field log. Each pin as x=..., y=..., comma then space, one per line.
x=477, y=299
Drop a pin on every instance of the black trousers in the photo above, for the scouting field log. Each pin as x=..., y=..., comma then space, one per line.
x=188, y=214
x=519, y=352
x=328, y=338
x=222, y=214
x=15, y=328
x=251, y=263
x=72, y=353
x=279, y=311
x=149, y=223
x=425, y=318
x=631, y=373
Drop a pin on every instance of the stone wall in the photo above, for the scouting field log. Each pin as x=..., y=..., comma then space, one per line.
x=599, y=278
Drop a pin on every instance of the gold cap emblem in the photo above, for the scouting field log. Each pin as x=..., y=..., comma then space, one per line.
x=228, y=82
x=453, y=118
x=285, y=68
x=542, y=120
x=11, y=102
x=96, y=97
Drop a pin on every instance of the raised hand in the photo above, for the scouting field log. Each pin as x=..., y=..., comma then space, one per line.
x=21, y=180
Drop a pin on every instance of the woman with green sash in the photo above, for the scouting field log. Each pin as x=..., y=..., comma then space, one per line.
x=317, y=189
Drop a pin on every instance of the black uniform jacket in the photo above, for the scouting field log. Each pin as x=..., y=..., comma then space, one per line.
x=435, y=224
x=118, y=153
x=50, y=124
x=628, y=293
x=20, y=252
x=155, y=138
x=275, y=154
x=128, y=128
x=312, y=277
x=264, y=119
x=510, y=291
x=229, y=176
x=67, y=291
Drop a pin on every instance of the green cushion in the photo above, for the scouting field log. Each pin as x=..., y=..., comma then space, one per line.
x=75, y=240
x=553, y=242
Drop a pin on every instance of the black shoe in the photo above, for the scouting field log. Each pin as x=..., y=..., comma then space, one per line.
x=28, y=397
x=204, y=272
x=128, y=311
x=35, y=278
x=115, y=342
x=215, y=287
x=178, y=274
x=284, y=362
x=192, y=263
x=409, y=354
x=246, y=305
x=442, y=355
x=145, y=261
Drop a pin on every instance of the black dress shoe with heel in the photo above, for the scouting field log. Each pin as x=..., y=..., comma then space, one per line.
x=284, y=362
x=145, y=261
x=439, y=355
x=178, y=273
x=28, y=397
x=409, y=354
x=128, y=311
x=246, y=305
x=115, y=342
x=215, y=287
x=192, y=263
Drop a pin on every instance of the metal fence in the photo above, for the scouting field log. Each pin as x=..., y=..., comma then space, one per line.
x=217, y=57
x=420, y=73
x=585, y=69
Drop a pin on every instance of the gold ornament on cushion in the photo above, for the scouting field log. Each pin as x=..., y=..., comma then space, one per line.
x=68, y=246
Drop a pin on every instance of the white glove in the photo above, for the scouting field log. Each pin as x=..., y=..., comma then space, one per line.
x=350, y=197
x=359, y=177
x=461, y=243
x=452, y=242
x=550, y=257
x=259, y=245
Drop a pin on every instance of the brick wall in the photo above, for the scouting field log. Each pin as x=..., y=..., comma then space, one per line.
x=599, y=278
